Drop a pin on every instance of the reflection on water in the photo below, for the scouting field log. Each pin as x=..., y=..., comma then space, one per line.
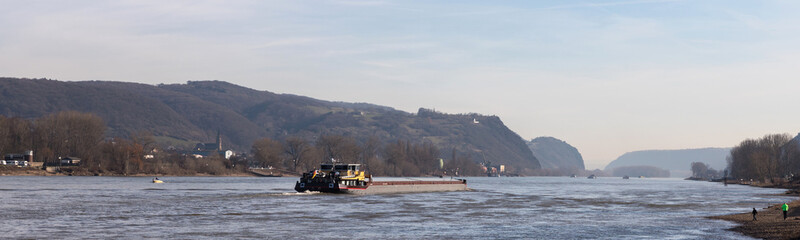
x=220, y=207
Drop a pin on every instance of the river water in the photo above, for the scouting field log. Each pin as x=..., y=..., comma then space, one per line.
x=268, y=208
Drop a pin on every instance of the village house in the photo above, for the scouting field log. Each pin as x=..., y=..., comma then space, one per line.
x=14, y=159
x=202, y=150
x=67, y=161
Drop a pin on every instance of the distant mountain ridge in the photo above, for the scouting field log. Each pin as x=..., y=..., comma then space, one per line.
x=194, y=112
x=678, y=162
x=553, y=153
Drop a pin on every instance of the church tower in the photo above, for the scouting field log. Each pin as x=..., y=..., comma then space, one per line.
x=219, y=141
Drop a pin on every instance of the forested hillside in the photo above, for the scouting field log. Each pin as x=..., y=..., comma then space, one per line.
x=184, y=114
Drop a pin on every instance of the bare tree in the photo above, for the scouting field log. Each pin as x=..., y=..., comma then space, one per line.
x=790, y=158
x=369, y=156
x=425, y=156
x=297, y=150
x=4, y=134
x=144, y=138
x=699, y=169
x=771, y=147
x=338, y=147
x=396, y=155
x=70, y=134
x=758, y=158
x=267, y=152
x=15, y=135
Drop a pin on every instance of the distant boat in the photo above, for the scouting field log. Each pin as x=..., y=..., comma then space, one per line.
x=626, y=177
x=591, y=176
x=157, y=181
x=573, y=176
x=641, y=176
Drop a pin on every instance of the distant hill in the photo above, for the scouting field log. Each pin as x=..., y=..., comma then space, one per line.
x=184, y=114
x=553, y=153
x=641, y=171
x=678, y=162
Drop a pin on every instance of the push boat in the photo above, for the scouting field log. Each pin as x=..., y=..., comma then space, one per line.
x=350, y=179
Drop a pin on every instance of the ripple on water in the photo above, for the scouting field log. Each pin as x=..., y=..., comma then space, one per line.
x=522, y=208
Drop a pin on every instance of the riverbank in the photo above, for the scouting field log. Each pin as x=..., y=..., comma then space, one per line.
x=28, y=171
x=770, y=223
x=23, y=171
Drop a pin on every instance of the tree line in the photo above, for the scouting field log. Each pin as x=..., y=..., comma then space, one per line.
x=701, y=170
x=769, y=158
x=83, y=135
x=62, y=134
x=397, y=158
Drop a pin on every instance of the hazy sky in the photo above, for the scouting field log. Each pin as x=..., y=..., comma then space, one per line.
x=608, y=77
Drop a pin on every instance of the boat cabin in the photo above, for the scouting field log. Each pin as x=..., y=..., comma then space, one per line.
x=340, y=168
x=342, y=171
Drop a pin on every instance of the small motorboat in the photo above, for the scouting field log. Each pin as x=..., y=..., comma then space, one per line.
x=155, y=180
x=626, y=177
x=591, y=176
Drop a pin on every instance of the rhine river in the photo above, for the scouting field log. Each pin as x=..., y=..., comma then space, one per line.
x=35, y=207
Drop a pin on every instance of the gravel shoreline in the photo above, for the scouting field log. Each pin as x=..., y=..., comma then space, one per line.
x=770, y=223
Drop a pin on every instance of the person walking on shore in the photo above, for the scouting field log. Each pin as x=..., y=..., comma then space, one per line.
x=754, y=214
x=785, y=208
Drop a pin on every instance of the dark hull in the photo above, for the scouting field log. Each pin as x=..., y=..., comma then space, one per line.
x=383, y=187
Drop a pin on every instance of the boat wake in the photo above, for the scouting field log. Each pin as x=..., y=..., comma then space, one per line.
x=297, y=193
x=272, y=195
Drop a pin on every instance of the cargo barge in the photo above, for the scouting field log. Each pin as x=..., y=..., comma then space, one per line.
x=350, y=179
